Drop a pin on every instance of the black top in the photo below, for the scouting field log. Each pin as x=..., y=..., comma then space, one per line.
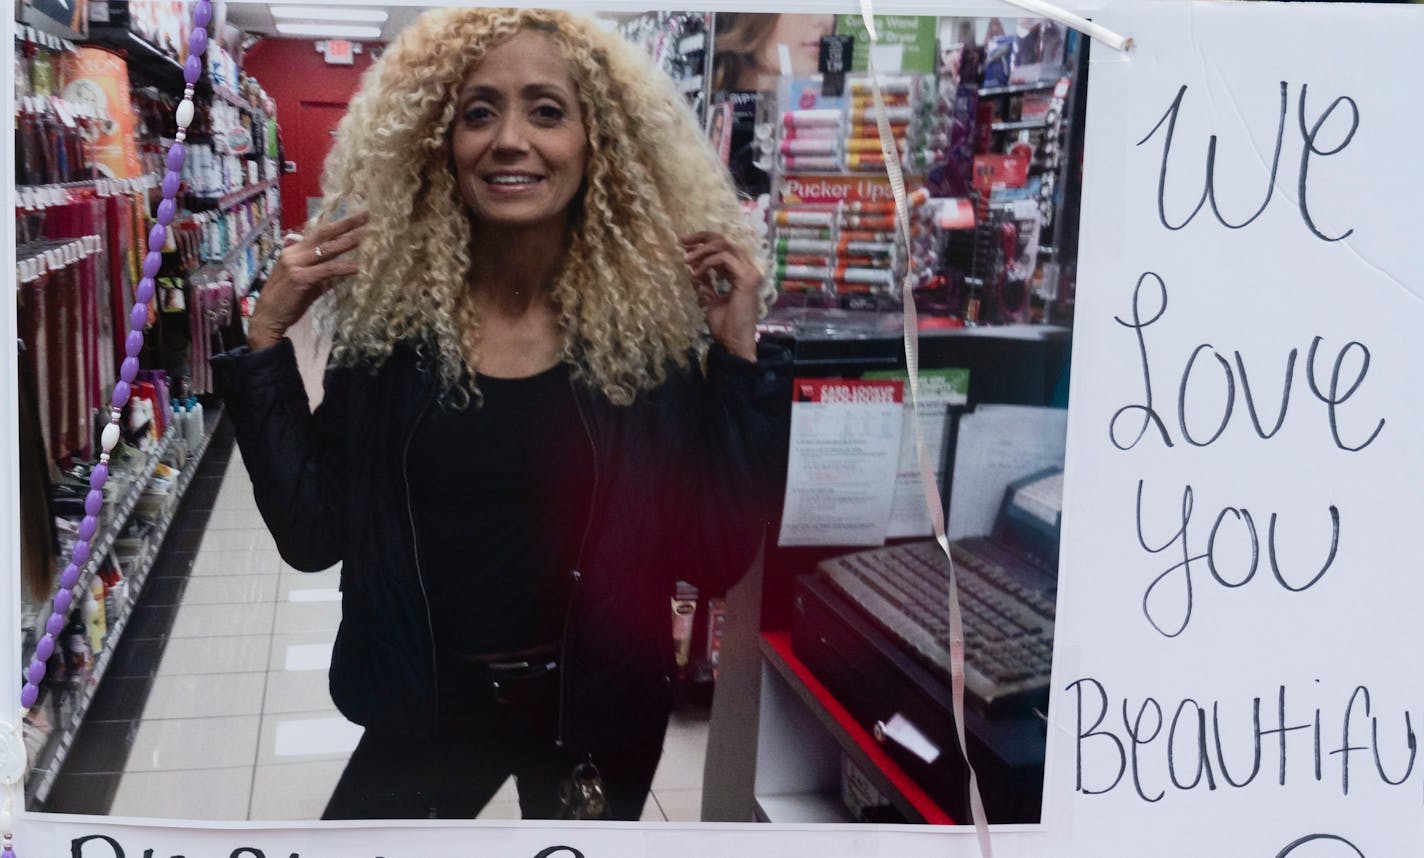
x=499, y=493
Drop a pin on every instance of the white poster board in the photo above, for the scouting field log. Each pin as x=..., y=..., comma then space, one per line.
x=1254, y=284
x=1262, y=290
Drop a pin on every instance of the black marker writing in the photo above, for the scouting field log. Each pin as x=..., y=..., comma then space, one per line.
x=1204, y=429
x=1158, y=753
x=1310, y=147
x=1169, y=599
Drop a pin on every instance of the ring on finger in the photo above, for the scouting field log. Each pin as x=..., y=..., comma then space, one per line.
x=320, y=254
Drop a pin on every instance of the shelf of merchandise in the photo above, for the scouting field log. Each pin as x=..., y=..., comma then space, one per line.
x=244, y=194
x=1014, y=88
x=50, y=760
x=212, y=270
x=114, y=518
x=806, y=788
x=1020, y=126
x=146, y=58
x=222, y=93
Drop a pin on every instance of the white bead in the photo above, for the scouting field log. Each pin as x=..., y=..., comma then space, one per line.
x=110, y=437
x=185, y=113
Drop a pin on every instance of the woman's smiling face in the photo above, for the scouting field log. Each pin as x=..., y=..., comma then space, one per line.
x=518, y=144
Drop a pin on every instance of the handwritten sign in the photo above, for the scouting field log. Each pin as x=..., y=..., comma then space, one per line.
x=1236, y=609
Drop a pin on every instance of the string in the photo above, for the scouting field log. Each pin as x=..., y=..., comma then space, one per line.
x=927, y=472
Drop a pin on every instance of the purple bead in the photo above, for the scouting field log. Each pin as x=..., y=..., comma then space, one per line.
x=93, y=502
x=197, y=41
x=175, y=158
x=157, y=237
x=81, y=553
x=55, y=624
x=153, y=261
x=143, y=294
x=121, y=394
x=87, y=526
x=138, y=316
x=28, y=696
x=133, y=343
x=98, y=476
x=45, y=648
x=193, y=68
x=128, y=370
x=64, y=599
x=165, y=213
x=171, y=182
x=36, y=673
x=202, y=13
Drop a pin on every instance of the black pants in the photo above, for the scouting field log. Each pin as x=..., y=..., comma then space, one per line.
x=486, y=736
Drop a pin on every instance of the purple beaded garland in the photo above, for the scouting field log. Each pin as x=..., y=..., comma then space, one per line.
x=197, y=41
x=133, y=344
x=153, y=261
x=193, y=68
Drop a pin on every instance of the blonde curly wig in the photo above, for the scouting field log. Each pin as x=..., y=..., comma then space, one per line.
x=627, y=307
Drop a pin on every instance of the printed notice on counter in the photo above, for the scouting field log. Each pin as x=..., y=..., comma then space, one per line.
x=939, y=389
x=841, y=472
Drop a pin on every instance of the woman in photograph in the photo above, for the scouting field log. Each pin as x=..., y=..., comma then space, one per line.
x=747, y=48
x=543, y=407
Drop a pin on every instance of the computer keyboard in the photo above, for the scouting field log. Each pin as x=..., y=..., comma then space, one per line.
x=1007, y=605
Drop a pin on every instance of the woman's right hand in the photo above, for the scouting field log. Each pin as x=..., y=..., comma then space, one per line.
x=305, y=269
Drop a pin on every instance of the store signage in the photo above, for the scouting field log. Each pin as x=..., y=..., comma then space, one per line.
x=1237, y=600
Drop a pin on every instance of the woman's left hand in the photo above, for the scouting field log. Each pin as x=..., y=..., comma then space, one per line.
x=732, y=315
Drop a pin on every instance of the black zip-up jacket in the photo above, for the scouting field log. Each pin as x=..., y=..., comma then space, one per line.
x=683, y=482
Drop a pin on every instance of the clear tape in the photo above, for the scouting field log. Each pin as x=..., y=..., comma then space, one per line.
x=927, y=471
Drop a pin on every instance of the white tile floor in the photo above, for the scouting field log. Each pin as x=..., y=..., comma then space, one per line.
x=239, y=724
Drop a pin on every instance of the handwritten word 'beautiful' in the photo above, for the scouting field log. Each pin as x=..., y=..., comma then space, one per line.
x=1192, y=750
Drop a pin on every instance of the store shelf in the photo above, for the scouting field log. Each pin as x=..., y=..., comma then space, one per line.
x=228, y=201
x=1019, y=126
x=113, y=518
x=802, y=807
x=146, y=60
x=51, y=759
x=1011, y=89
x=852, y=740
x=222, y=93
x=213, y=270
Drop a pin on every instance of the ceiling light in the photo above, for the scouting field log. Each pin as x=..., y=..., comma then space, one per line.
x=338, y=31
x=328, y=13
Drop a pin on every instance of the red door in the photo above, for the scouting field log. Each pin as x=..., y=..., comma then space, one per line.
x=311, y=134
